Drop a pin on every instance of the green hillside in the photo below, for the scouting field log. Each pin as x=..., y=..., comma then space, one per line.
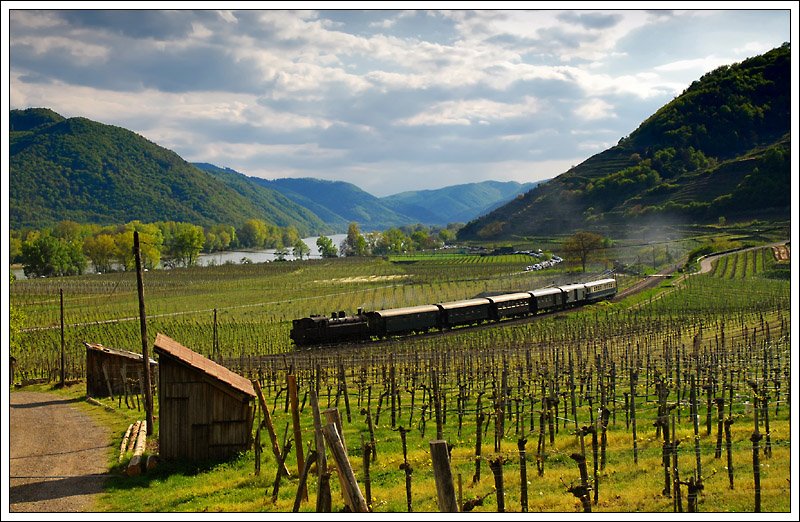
x=720, y=149
x=89, y=172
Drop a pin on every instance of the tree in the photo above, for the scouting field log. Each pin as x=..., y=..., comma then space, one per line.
x=184, y=244
x=253, y=234
x=326, y=247
x=581, y=245
x=151, y=241
x=354, y=244
x=300, y=249
x=219, y=237
x=100, y=250
x=49, y=256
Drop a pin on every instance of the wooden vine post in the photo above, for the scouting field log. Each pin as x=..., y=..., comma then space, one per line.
x=270, y=428
x=148, y=390
x=445, y=492
x=323, y=477
x=352, y=493
x=291, y=381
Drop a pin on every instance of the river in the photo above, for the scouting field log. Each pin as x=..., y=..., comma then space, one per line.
x=260, y=256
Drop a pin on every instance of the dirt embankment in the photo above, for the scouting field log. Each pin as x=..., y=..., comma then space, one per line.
x=58, y=455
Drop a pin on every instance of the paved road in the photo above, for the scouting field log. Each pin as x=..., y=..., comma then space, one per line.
x=58, y=455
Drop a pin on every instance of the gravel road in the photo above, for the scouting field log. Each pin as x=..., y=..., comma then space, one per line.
x=58, y=455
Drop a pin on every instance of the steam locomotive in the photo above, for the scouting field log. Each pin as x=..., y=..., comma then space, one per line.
x=363, y=326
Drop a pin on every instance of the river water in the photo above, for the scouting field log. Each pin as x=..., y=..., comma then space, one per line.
x=237, y=256
x=260, y=256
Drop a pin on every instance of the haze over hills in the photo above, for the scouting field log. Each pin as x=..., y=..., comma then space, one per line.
x=457, y=203
x=719, y=150
x=338, y=203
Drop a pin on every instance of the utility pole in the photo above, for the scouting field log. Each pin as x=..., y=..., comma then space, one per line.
x=148, y=390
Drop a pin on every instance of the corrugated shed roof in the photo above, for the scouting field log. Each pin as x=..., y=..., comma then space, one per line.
x=195, y=360
x=113, y=351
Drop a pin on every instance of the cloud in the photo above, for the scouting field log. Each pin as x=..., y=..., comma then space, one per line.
x=595, y=109
x=471, y=112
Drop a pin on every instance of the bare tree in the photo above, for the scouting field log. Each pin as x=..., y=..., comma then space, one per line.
x=581, y=245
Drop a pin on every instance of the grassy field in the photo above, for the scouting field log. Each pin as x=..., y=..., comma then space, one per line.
x=720, y=330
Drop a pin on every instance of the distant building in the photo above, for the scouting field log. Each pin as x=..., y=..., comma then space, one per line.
x=205, y=410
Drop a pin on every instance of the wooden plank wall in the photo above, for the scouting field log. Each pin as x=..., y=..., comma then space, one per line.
x=95, y=380
x=198, y=418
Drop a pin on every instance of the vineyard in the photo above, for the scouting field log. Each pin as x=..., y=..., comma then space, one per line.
x=680, y=403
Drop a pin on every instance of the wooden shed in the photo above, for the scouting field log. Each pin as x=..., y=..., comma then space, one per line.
x=205, y=410
x=108, y=371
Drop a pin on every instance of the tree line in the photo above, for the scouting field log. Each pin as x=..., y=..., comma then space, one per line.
x=69, y=247
x=395, y=240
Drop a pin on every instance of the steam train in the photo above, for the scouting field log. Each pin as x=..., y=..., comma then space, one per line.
x=363, y=326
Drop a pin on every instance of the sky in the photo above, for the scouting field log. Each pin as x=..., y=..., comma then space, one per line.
x=388, y=99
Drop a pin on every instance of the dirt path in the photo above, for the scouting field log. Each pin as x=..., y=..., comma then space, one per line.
x=58, y=455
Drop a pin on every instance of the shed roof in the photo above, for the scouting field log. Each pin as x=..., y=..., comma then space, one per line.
x=119, y=353
x=171, y=347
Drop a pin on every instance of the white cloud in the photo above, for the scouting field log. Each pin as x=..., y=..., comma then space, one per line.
x=468, y=112
x=595, y=109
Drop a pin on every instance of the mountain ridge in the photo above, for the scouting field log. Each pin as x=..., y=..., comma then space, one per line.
x=721, y=148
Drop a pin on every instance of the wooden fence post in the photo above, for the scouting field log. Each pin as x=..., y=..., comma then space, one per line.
x=322, y=464
x=301, y=488
x=445, y=492
x=148, y=390
x=270, y=428
x=352, y=493
x=291, y=381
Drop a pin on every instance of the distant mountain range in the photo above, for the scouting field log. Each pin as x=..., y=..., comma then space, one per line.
x=339, y=203
x=89, y=172
x=722, y=149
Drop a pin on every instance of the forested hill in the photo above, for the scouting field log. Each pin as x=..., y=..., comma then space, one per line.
x=720, y=149
x=89, y=172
